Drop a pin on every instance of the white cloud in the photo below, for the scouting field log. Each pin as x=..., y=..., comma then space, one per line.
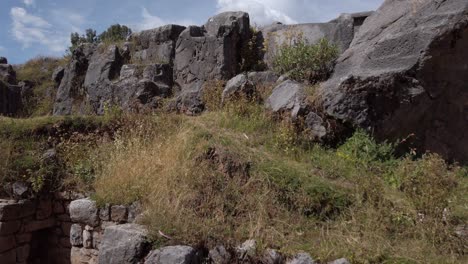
x=150, y=21
x=29, y=29
x=261, y=12
x=29, y=2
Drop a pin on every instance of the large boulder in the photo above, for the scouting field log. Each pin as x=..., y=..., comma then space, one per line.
x=3, y=60
x=70, y=94
x=405, y=73
x=288, y=97
x=339, y=31
x=123, y=244
x=210, y=52
x=155, y=45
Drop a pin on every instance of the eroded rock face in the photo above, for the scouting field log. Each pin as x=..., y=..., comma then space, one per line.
x=102, y=70
x=210, y=52
x=406, y=73
x=156, y=45
x=70, y=94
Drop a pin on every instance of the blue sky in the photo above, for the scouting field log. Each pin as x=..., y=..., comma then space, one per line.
x=30, y=28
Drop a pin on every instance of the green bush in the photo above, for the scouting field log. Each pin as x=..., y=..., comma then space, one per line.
x=305, y=62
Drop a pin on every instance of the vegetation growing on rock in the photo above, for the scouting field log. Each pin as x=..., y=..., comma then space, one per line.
x=303, y=61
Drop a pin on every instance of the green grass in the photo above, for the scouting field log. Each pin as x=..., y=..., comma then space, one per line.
x=23, y=142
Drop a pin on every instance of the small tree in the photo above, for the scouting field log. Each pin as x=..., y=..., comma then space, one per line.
x=76, y=39
x=115, y=33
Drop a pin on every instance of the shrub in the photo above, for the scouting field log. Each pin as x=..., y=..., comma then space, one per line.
x=306, y=62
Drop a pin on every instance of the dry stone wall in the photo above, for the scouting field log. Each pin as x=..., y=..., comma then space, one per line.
x=35, y=231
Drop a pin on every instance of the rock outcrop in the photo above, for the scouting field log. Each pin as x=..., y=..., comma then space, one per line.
x=405, y=73
x=210, y=52
x=70, y=94
x=156, y=46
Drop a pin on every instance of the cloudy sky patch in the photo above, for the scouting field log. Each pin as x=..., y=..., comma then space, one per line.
x=42, y=27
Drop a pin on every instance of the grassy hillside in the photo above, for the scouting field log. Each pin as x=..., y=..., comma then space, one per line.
x=235, y=173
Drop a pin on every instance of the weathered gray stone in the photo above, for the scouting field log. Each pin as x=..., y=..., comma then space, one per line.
x=405, y=73
x=134, y=212
x=70, y=92
x=8, y=257
x=84, y=211
x=340, y=261
x=219, y=255
x=104, y=213
x=87, y=239
x=37, y=225
x=84, y=255
x=8, y=228
x=103, y=68
x=207, y=53
x=22, y=253
x=245, y=84
x=96, y=239
x=262, y=78
x=23, y=238
x=58, y=208
x=173, y=255
x=44, y=209
x=301, y=258
x=123, y=244
x=287, y=97
x=119, y=213
x=76, y=235
x=58, y=74
x=20, y=189
x=155, y=45
x=239, y=85
x=7, y=243
x=11, y=210
x=316, y=126
x=272, y=256
x=142, y=86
